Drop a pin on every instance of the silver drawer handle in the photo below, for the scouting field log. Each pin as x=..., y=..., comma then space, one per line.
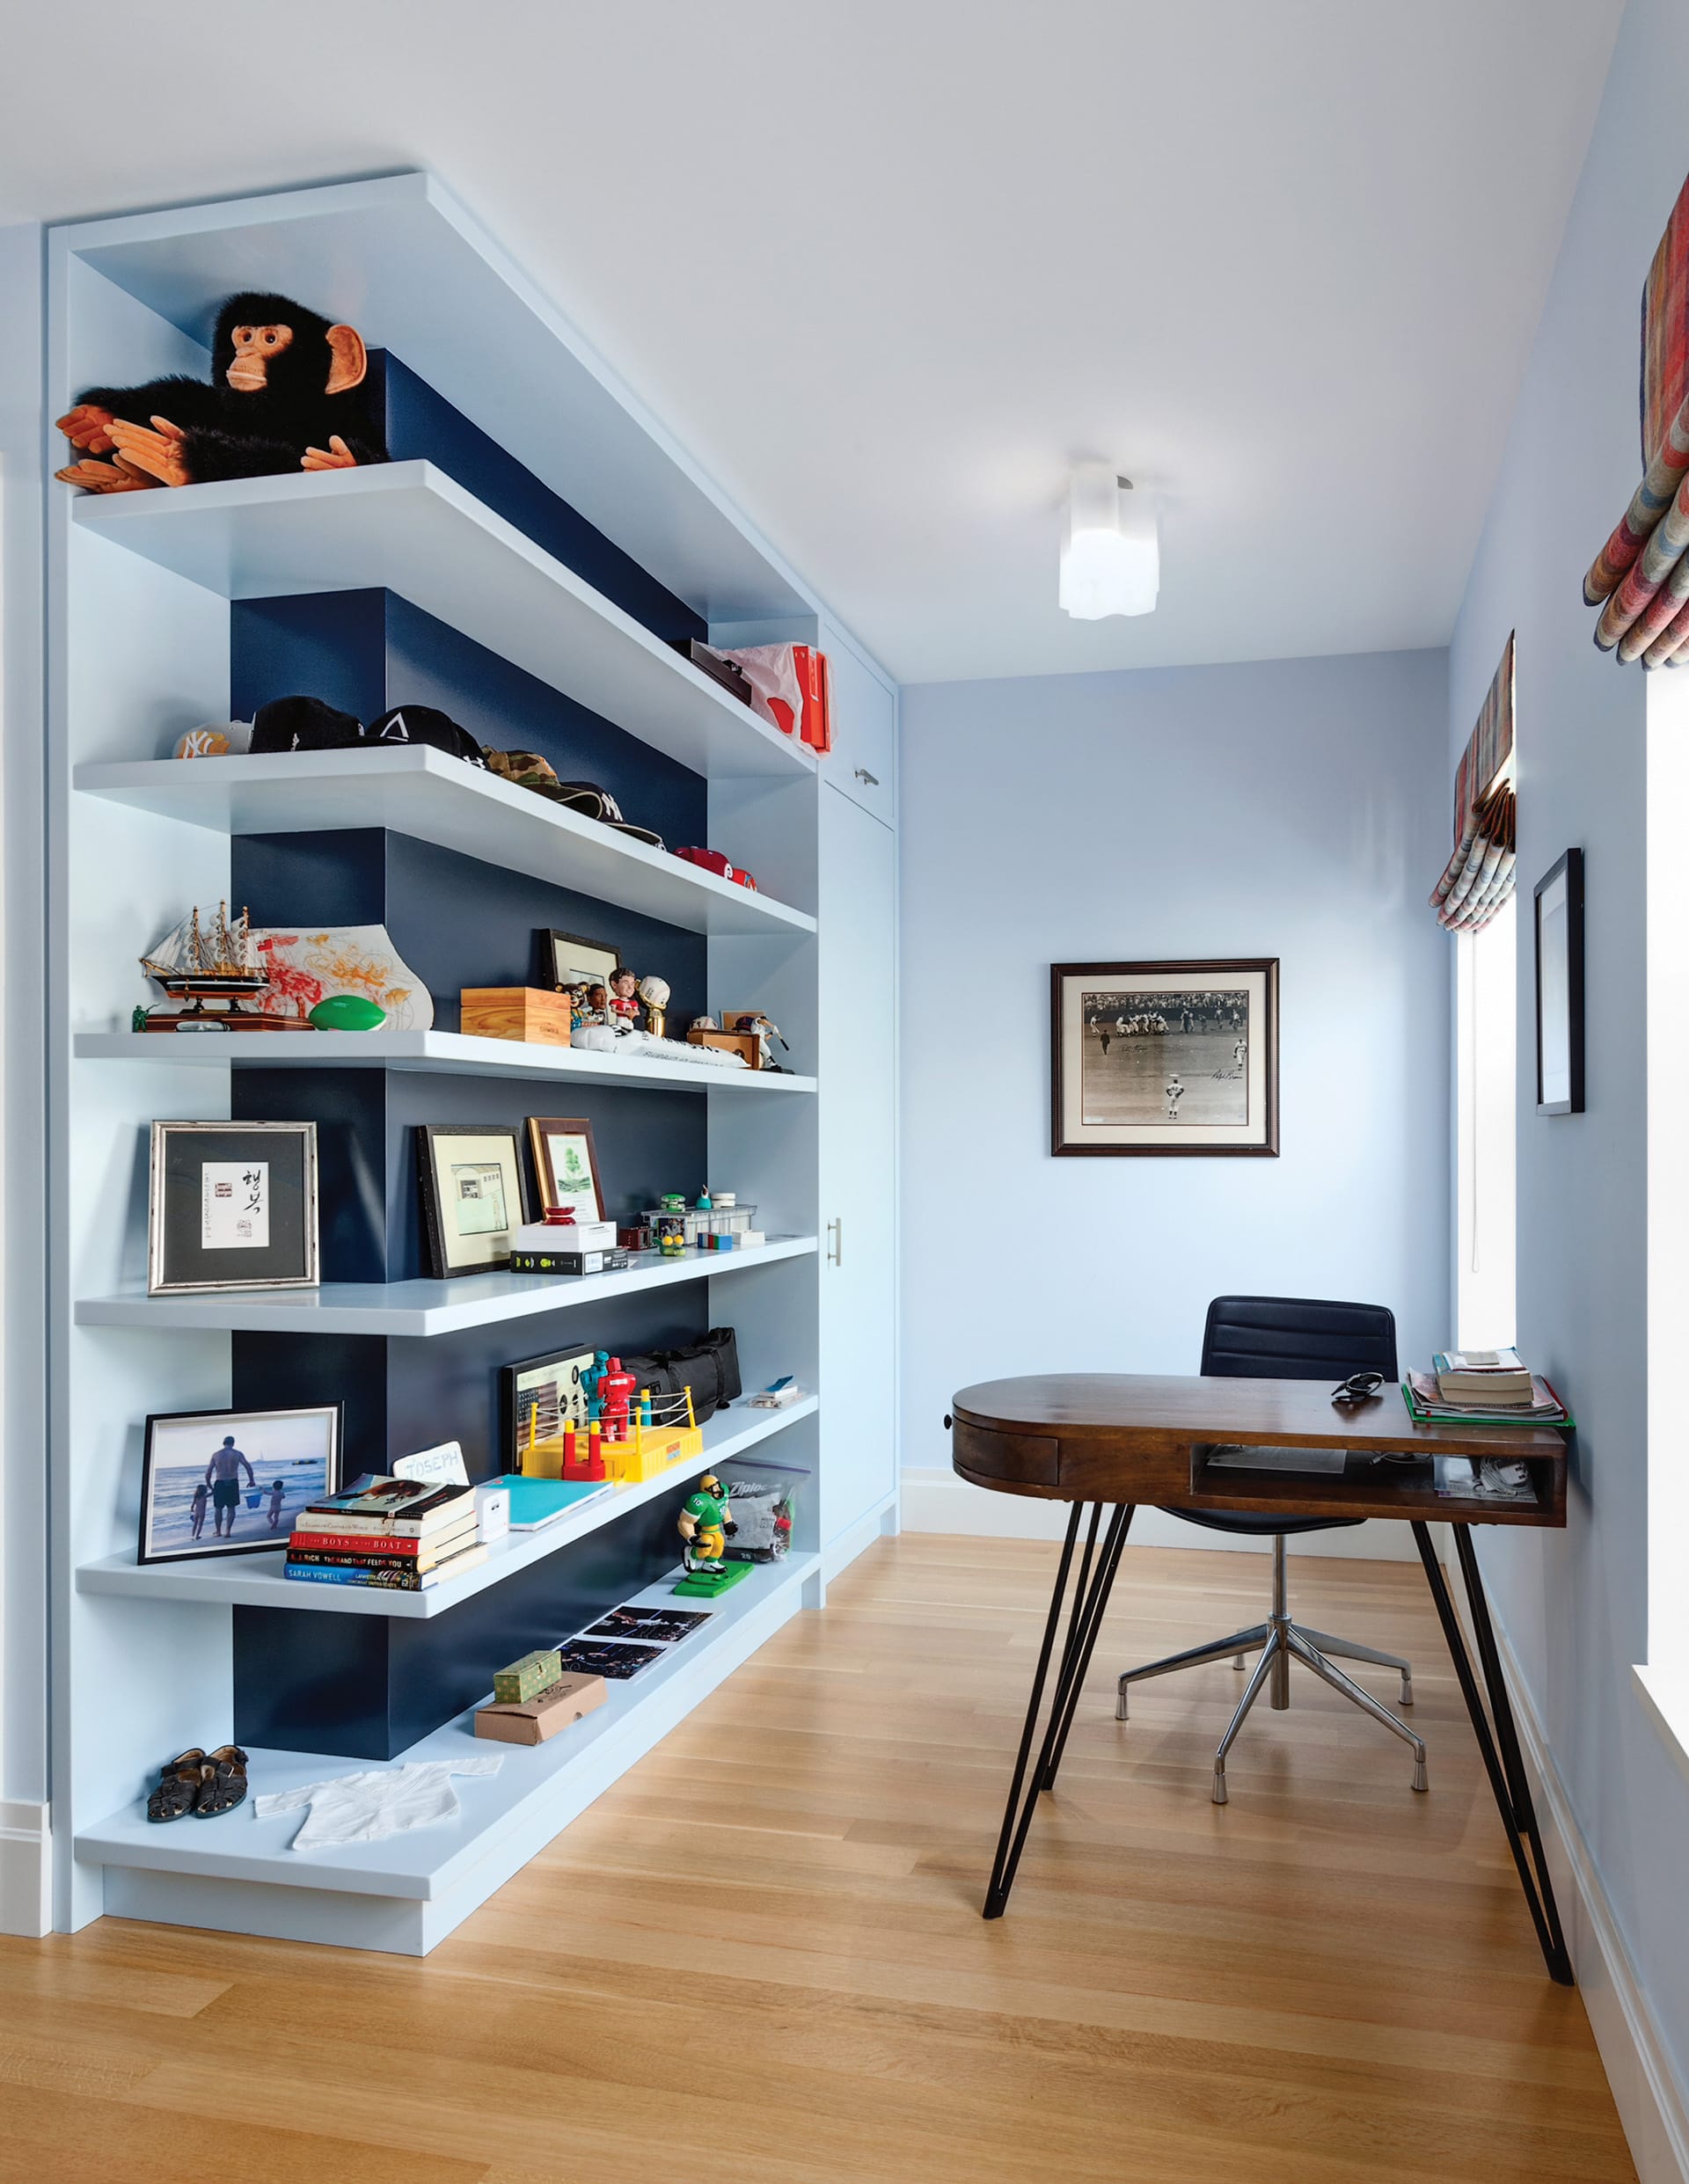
x=836, y=1230
x=873, y=779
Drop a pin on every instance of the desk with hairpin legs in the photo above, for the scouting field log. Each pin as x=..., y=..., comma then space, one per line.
x=1110, y=1442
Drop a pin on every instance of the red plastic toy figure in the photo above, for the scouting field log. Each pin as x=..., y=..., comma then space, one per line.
x=616, y=1392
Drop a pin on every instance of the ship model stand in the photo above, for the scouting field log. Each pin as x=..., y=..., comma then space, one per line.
x=218, y=970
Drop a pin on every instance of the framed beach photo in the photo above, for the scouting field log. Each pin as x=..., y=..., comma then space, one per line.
x=565, y=1163
x=1559, y=915
x=233, y=1482
x=1166, y=1057
x=231, y=1206
x=567, y=959
x=473, y=1196
x=538, y=1398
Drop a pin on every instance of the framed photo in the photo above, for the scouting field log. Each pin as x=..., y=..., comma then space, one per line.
x=472, y=1195
x=231, y=1206
x=566, y=1162
x=1560, y=987
x=566, y=960
x=233, y=1482
x=1164, y=1057
x=538, y=1398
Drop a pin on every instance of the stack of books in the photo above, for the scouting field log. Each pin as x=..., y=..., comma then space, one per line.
x=1482, y=1388
x=401, y=1535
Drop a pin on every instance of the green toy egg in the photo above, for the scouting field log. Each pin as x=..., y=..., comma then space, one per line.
x=348, y=1013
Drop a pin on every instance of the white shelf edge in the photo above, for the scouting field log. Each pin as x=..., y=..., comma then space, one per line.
x=434, y=798
x=418, y=1308
x=256, y=1580
x=427, y=1863
x=447, y=1052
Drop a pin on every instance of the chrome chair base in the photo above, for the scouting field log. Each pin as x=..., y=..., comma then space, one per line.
x=1281, y=1641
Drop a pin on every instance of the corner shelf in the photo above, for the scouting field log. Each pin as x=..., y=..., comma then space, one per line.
x=256, y=1580
x=409, y=528
x=418, y=1308
x=445, y=1053
x=505, y=1817
x=422, y=792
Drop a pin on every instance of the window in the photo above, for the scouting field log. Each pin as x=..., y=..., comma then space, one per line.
x=1486, y=1047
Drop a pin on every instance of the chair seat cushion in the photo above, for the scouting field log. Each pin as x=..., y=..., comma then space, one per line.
x=1257, y=1523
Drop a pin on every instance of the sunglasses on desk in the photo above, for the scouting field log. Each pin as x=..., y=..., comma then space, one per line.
x=1358, y=1388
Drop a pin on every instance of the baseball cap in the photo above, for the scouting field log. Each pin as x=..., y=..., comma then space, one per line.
x=527, y=770
x=304, y=723
x=427, y=724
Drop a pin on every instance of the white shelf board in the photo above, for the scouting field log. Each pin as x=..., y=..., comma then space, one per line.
x=409, y=528
x=420, y=1307
x=446, y=1053
x=427, y=1862
x=256, y=1580
x=421, y=791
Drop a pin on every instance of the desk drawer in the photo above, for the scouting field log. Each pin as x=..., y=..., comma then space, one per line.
x=1023, y=1458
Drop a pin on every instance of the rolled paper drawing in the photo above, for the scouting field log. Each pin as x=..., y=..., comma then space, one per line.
x=1649, y=503
x=1661, y=558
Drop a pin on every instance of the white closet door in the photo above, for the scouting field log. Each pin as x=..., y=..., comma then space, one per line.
x=857, y=914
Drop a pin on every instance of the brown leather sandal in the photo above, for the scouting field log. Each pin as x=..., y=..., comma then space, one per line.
x=224, y=1782
x=179, y=1786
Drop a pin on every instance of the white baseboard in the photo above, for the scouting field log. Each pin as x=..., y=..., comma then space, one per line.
x=939, y=1502
x=25, y=1868
x=1650, y=2097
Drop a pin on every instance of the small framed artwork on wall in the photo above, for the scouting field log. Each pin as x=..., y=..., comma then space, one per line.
x=1560, y=987
x=471, y=1196
x=565, y=1161
x=1164, y=1057
x=231, y=1206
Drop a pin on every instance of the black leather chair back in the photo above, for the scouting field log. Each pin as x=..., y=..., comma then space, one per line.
x=1297, y=1338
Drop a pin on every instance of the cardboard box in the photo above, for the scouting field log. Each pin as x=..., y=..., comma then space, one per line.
x=567, y=1262
x=564, y=1236
x=531, y=1721
x=524, y=1012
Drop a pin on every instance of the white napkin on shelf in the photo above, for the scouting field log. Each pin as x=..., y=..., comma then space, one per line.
x=368, y=1807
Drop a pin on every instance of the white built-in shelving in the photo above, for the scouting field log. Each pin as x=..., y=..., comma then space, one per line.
x=424, y=793
x=256, y=1580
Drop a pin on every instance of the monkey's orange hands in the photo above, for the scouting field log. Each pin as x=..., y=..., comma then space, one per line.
x=336, y=457
x=104, y=478
x=158, y=453
x=87, y=426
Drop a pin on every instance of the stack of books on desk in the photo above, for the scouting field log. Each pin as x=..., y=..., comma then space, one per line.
x=397, y=1535
x=1482, y=1388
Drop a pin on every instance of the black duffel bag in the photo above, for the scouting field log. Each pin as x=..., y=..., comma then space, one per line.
x=709, y=1368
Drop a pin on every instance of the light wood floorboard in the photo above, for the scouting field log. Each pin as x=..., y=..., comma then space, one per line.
x=759, y=1959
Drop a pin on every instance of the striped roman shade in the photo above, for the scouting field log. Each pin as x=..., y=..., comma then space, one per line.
x=1641, y=573
x=1479, y=877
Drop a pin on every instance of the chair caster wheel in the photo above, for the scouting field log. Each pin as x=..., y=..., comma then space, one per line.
x=1220, y=1797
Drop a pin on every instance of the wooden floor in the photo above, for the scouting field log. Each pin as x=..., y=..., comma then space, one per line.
x=759, y=1960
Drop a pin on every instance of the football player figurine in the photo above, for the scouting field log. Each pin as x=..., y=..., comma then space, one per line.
x=705, y=1523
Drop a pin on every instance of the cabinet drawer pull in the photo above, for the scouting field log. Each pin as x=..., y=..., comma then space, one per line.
x=872, y=779
x=836, y=1249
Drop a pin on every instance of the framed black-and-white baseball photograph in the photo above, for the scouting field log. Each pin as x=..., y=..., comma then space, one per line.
x=1164, y=1057
x=472, y=1196
x=233, y=1482
x=231, y=1206
x=1560, y=987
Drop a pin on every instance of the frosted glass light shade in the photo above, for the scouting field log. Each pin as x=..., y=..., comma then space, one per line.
x=1111, y=557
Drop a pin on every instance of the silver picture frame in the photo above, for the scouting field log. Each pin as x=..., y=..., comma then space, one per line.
x=192, y=1242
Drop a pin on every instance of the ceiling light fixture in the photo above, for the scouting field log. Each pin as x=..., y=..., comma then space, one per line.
x=1111, y=560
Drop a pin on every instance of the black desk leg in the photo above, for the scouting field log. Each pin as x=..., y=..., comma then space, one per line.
x=1090, y=1597
x=1505, y=1768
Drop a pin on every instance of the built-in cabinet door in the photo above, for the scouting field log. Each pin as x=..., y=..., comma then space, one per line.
x=863, y=761
x=857, y=964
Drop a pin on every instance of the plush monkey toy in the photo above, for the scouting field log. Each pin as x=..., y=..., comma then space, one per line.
x=287, y=393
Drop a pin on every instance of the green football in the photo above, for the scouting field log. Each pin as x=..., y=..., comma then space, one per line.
x=348, y=1013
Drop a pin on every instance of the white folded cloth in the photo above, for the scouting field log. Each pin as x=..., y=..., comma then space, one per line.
x=368, y=1807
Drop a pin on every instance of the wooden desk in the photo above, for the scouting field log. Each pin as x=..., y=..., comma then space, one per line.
x=1114, y=1441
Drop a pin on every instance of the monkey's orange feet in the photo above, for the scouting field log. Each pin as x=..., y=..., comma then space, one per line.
x=104, y=478
x=158, y=453
x=87, y=426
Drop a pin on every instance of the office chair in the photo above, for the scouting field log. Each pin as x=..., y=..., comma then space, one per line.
x=1289, y=1338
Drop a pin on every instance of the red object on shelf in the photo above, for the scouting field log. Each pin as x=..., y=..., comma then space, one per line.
x=616, y=1392
x=712, y=860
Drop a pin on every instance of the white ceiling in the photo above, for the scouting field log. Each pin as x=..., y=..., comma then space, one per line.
x=888, y=269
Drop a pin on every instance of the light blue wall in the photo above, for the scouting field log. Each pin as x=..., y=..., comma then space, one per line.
x=1575, y=1604
x=1297, y=808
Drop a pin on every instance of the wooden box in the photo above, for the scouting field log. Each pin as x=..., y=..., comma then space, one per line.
x=745, y=1043
x=525, y=1013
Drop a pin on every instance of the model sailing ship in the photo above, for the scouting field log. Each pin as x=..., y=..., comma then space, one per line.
x=215, y=967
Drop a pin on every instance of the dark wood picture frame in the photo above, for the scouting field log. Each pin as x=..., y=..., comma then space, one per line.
x=547, y=950
x=1263, y=966
x=216, y=1421
x=577, y=1125
x=1568, y=868
x=429, y=1134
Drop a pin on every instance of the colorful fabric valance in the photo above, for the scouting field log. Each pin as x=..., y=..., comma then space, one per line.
x=1640, y=577
x=1480, y=876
